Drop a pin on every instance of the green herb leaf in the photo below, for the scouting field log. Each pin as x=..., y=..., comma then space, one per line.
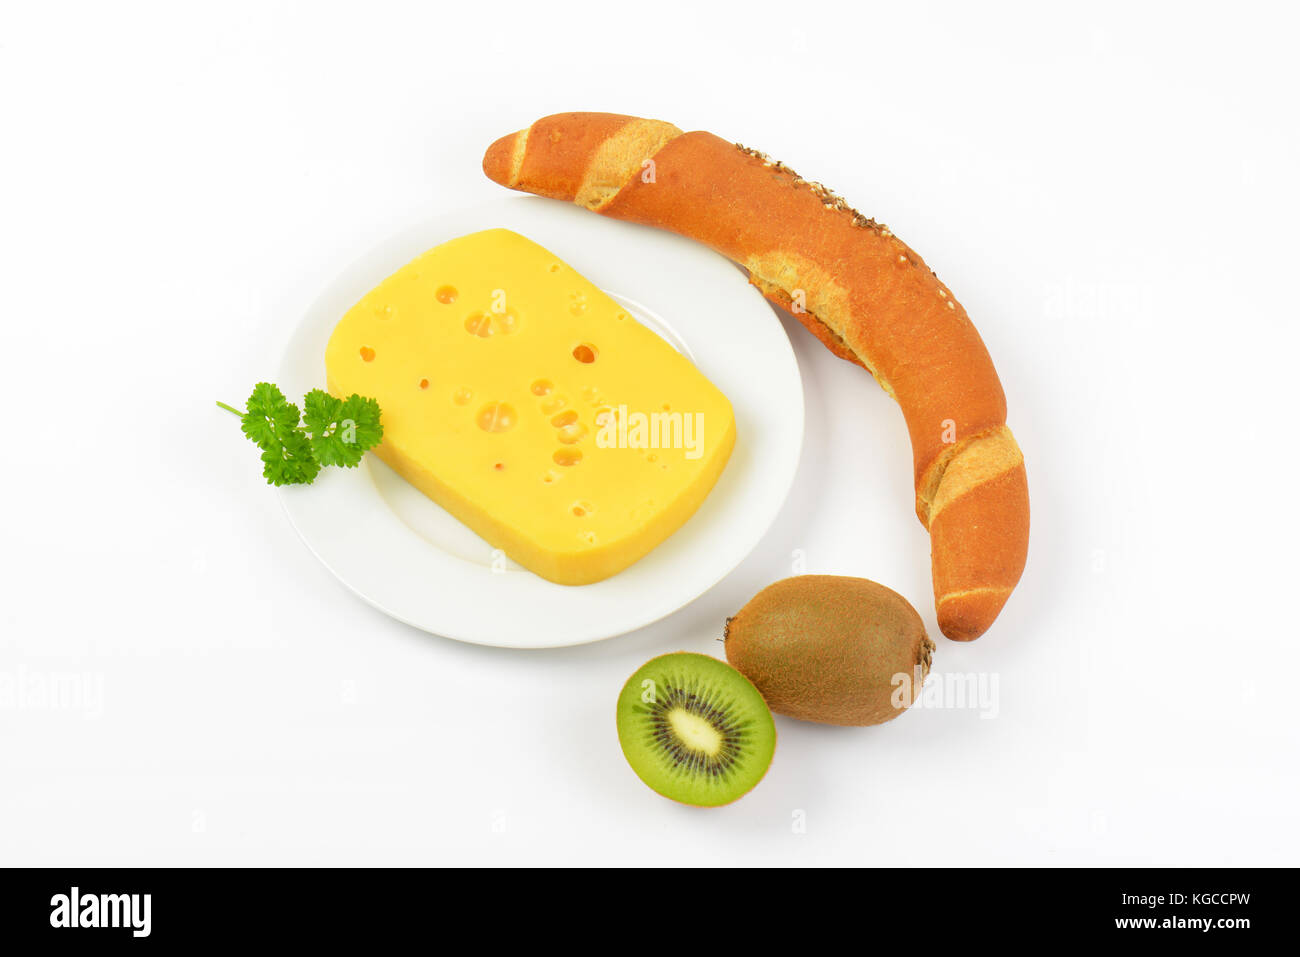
x=290, y=461
x=269, y=416
x=319, y=411
x=342, y=430
x=295, y=446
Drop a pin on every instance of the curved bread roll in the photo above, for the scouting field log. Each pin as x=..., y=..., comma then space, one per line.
x=854, y=284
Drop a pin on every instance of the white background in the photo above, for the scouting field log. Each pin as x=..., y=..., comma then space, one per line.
x=1112, y=195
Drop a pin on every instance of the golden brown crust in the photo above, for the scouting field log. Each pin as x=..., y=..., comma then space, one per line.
x=558, y=152
x=830, y=339
x=503, y=158
x=855, y=285
x=978, y=545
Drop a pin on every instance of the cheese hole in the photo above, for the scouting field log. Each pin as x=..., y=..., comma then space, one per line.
x=582, y=508
x=496, y=417
x=505, y=322
x=541, y=387
x=424, y=383
x=589, y=538
x=555, y=267
x=572, y=434
x=554, y=404
x=564, y=418
x=585, y=353
x=479, y=325
x=500, y=466
x=367, y=354
x=567, y=457
x=446, y=295
x=462, y=396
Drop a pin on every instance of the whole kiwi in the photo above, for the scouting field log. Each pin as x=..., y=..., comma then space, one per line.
x=831, y=649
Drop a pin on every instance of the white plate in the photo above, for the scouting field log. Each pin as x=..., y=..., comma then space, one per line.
x=409, y=558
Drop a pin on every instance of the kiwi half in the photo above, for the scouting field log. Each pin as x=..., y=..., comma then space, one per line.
x=695, y=729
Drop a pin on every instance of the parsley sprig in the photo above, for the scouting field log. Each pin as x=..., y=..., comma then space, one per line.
x=296, y=444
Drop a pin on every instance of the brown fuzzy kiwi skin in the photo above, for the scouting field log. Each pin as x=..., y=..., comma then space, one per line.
x=827, y=648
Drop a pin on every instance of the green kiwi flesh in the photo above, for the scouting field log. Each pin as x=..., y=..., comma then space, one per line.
x=695, y=729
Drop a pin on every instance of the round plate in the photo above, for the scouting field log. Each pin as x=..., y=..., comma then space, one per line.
x=412, y=560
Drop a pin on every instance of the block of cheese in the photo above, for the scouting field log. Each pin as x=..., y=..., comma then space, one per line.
x=532, y=406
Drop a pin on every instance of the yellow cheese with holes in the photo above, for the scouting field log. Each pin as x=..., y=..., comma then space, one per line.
x=533, y=407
